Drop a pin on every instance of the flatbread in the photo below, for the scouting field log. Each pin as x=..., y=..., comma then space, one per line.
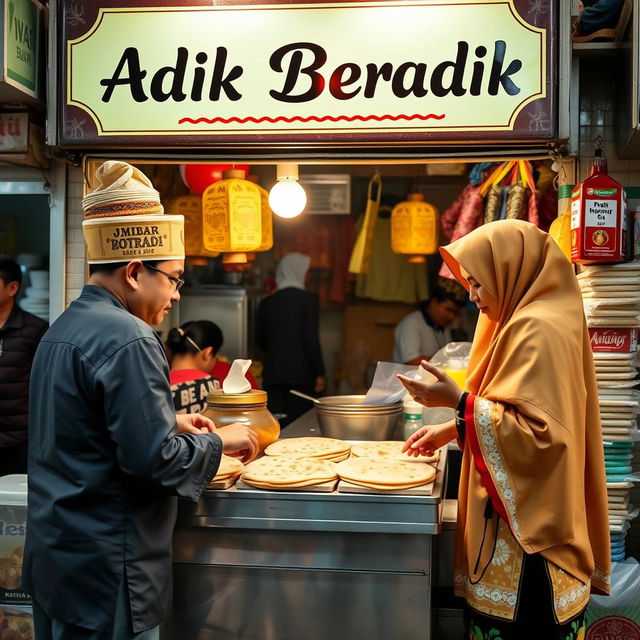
x=388, y=450
x=308, y=447
x=381, y=474
x=287, y=471
x=229, y=468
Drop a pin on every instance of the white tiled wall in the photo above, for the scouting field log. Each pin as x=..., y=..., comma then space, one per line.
x=75, y=244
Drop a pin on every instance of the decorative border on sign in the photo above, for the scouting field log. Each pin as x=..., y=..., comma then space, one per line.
x=103, y=132
x=218, y=120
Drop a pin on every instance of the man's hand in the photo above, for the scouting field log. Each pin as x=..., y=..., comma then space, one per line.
x=239, y=441
x=320, y=384
x=194, y=423
x=444, y=392
x=425, y=441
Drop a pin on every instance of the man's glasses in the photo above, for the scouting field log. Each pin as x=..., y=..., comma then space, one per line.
x=177, y=282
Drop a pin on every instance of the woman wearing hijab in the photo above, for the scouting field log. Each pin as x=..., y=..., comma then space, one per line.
x=532, y=539
x=287, y=331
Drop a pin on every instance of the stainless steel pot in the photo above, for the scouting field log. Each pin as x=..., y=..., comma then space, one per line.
x=345, y=417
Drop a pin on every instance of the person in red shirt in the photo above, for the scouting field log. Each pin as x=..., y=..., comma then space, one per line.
x=194, y=350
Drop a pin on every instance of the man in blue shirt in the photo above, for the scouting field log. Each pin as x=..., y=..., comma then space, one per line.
x=107, y=453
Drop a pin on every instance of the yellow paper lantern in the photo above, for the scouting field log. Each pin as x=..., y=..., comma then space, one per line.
x=191, y=208
x=231, y=214
x=266, y=216
x=414, y=228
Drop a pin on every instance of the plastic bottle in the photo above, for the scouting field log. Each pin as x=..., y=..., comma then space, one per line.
x=412, y=416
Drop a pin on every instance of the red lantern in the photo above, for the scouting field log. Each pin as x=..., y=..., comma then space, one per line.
x=199, y=176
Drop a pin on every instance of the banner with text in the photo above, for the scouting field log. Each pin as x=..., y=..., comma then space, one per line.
x=419, y=71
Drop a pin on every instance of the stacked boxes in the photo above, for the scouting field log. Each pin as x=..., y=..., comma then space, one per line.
x=15, y=606
x=611, y=295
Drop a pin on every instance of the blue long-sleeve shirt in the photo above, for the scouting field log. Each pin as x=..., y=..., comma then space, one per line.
x=105, y=465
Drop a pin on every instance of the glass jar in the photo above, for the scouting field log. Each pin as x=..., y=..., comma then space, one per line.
x=249, y=408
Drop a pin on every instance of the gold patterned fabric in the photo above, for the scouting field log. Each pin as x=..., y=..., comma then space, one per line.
x=497, y=591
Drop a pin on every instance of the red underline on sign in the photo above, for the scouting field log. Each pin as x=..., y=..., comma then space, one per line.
x=416, y=116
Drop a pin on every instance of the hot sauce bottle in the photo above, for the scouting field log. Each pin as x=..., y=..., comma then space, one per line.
x=598, y=217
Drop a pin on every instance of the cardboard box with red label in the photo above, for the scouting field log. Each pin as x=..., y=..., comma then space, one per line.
x=615, y=340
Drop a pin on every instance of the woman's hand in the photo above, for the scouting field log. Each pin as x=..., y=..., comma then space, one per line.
x=425, y=441
x=444, y=392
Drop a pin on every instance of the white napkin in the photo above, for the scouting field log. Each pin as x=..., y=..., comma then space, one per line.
x=236, y=382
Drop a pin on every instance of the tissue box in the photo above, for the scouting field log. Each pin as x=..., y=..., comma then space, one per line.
x=13, y=528
x=614, y=340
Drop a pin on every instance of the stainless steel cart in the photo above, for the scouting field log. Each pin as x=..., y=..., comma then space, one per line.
x=268, y=565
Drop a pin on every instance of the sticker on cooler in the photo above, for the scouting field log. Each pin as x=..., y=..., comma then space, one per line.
x=619, y=340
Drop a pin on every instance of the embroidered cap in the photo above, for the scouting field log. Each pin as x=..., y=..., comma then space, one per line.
x=124, y=219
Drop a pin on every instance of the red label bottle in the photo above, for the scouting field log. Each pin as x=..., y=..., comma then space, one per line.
x=598, y=217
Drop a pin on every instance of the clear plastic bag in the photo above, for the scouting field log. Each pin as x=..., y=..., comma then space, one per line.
x=617, y=615
x=386, y=388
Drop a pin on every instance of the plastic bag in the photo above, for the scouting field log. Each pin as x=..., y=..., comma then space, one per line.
x=386, y=388
x=617, y=615
x=453, y=359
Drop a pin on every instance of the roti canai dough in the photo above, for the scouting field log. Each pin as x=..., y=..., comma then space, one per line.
x=382, y=474
x=388, y=450
x=308, y=447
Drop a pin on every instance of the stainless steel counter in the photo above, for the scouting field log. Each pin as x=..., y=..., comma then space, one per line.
x=276, y=565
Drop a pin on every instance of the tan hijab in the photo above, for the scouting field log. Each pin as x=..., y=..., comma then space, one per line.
x=536, y=363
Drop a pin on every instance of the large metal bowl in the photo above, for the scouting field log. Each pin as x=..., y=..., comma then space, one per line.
x=345, y=417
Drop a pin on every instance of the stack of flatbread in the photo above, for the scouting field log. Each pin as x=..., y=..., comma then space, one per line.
x=388, y=450
x=329, y=449
x=284, y=472
x=611, y=294
x=385, y=475
x=230, y=469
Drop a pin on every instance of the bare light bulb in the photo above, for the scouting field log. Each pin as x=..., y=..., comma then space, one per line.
x=287, y=198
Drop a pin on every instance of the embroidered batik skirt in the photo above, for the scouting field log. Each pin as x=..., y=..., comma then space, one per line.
x=535, y=618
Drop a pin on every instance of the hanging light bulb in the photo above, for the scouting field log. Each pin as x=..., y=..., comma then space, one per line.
x=287, y=198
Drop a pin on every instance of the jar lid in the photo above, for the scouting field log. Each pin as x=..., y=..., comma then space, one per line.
x=253, y=396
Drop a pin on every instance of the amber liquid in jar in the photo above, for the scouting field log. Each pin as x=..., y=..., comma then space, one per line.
x=249, y=409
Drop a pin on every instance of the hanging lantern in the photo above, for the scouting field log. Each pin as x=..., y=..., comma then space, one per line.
x=231, y=214
x=191, y=208
x=199, y=176
x=414, y=228
x=266, y=217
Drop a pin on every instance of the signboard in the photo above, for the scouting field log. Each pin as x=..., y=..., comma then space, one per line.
x=14, y=132
x=151, y=74
x=22, y=45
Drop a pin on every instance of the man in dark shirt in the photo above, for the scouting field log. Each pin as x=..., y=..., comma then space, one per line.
x=107, y=453
x=20, y=333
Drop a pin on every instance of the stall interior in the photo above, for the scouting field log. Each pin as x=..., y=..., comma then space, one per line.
x=359, y=312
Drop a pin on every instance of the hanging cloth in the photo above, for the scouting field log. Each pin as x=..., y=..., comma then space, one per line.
x=362, y=250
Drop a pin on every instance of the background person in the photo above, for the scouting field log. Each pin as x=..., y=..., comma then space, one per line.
x=194, y=350
x=20, y=333
x=533, y=526
x=422, y=333
x=287, y=331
